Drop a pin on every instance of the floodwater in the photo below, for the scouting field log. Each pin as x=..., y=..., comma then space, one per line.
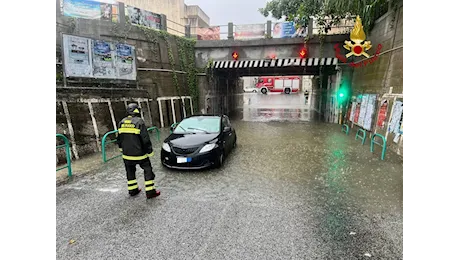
x=292, y=189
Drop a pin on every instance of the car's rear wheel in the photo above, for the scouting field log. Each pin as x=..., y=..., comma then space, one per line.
x=264, y=91
x=255, y=91
x=287, y=91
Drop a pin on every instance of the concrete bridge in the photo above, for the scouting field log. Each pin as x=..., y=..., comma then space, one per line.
x=269, y=56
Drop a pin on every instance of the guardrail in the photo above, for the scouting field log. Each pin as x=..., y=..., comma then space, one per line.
x=157, y=131
x=347, y=128
x=104, y=142
x=361, y=137
x=67, y=154
x=384, y=145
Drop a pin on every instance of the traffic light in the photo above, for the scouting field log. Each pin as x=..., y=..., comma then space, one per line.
x=342, y=94
x=235, y=55
x=303, y=53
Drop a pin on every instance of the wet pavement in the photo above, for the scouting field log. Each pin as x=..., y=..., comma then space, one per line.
x=290, y=190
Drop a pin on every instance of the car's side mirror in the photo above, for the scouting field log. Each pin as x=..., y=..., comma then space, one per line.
x=227, y=129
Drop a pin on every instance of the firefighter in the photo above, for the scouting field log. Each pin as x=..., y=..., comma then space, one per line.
x=134, y=143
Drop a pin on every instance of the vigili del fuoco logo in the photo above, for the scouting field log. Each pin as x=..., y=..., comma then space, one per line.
x=358, y=46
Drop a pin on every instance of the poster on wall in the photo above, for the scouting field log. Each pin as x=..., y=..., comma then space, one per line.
x=352, y=113
x=91, y=9
x=356, y=115
x=249, y=31
x=382, y=114
x=395, y=121
x=369, y=112
x=103, y=60
x=284, y=30
x=142, y=17
x=77, y=56
x=125, y=62
x=363, y=110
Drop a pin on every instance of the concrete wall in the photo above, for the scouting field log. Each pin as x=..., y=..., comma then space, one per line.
x=76, y=96
x=386, y=74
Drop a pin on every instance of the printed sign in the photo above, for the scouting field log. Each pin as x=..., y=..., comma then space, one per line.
x=367, y=124
x=284, y=30
x=103, y=60
x=210, y=33
x=363, y=110
x=382, y=114
x=91, y=9
x=125, y=62
x=250, y=31
x=352, y=113
x=142, y=17
x=395, y=121
x=77, y=57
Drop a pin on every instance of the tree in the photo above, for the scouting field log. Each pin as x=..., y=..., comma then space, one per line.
x=327, y=12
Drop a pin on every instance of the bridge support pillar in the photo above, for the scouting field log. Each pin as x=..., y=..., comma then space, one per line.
x=269, y=29
x=230, y=31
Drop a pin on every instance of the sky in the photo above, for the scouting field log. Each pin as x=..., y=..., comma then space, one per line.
x=237, y=11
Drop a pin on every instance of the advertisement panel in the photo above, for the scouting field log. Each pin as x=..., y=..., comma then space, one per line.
x=249, y=31
x=141, y=17
x=77, y=57
x=210, y=33
x=363, y=110
x=284, y=30
x=103, y=60
x=125, y=62
x=352, y=113
x=369, y=112
x=91, y=9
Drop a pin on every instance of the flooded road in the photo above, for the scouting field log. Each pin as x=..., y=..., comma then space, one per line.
x=296, y=189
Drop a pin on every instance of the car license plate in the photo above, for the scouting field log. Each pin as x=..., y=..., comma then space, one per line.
x=183, y=159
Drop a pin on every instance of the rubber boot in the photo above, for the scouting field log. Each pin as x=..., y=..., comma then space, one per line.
x=153, y=194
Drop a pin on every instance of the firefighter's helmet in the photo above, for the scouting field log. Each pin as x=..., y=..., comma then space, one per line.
x=133, y=109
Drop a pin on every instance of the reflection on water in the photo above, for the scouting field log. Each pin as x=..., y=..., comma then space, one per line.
x=277, y=107
x=276, y=114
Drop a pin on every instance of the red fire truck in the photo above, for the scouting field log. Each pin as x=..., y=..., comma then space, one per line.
x=284, y=84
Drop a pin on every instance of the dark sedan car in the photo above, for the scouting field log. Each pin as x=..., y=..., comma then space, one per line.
x=198, y=142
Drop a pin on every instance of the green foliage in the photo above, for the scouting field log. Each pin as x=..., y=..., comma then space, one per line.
x=334, y=10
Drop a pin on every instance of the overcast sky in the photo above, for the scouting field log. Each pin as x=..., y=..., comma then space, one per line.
x=221, y=12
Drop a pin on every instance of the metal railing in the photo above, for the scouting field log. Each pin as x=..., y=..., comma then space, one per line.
x=346, y=127
x=67, y=154
x=104, y=142
x=363, y=137
x=383, y=145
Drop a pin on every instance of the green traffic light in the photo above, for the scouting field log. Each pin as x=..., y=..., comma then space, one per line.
x=341, y=95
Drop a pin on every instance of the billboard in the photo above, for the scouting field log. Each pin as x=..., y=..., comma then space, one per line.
x=284, y=30
x=91, y=9
x=142, y=17
x=249, y=31
x=210, y=33
x=89, y=58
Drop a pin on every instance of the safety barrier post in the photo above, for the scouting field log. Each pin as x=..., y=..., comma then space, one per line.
x=384, y=145
x=361, y=137
x=172, y=126
x=156, y=130
x=104, y=138
x=67, y=154
x=347, y=128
